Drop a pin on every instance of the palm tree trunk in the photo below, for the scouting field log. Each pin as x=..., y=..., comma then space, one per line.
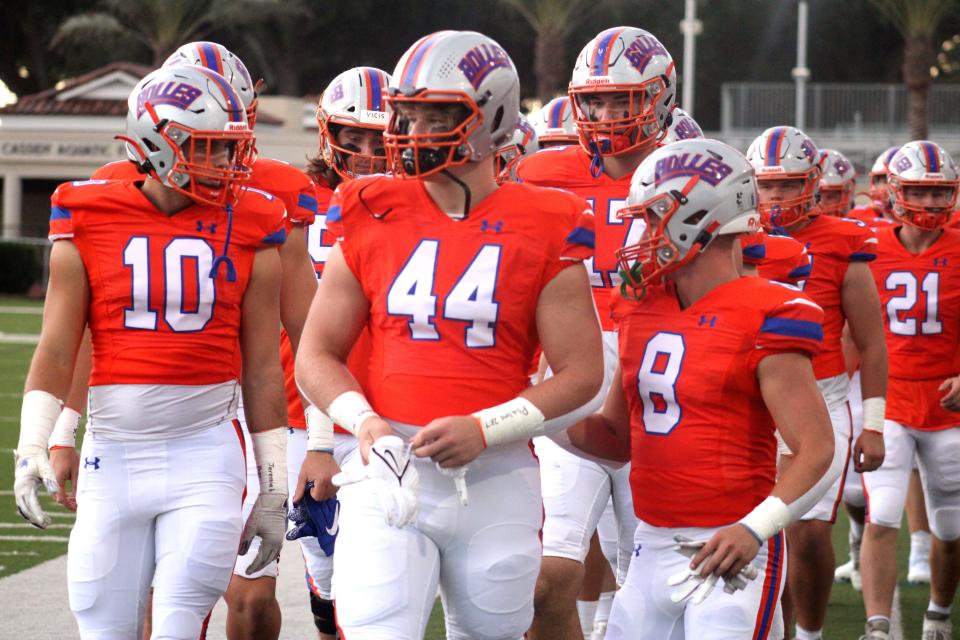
x=918, y=57
x=550, y=62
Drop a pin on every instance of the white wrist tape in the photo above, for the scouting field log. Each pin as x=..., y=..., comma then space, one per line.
x=767, y=518
x=874, y=410
x=270, y=452
x=349, y=410
x=65, y=430
x=517, y=419
x=37, y=416
x=319, y=430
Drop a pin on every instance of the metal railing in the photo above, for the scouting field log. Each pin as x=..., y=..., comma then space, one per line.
x=854, y=109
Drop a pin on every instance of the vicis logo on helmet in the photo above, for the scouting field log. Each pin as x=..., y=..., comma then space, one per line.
x=480, y=61
x=708, y=168
x=641, y=50
x=178, y=94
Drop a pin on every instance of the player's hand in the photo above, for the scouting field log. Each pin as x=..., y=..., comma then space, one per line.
x=372, y=429
x=394, y=477
x=268, y=520
x=692, y=583
x=32, y=468
x=318, y=468
x=65, y=462
x=727, y=552
x=318, y=519
x=951, y=398
x=454, y=441
x=868, y=452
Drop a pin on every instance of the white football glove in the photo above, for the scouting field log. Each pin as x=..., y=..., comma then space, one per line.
x=459, y=475
x=699, y=587
x=32, y=469
x=394, y=477
x=268, y=520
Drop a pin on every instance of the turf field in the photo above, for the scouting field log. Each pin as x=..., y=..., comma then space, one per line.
x=22, y=546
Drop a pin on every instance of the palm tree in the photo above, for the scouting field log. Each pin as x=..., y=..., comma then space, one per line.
x=160, y=25
x=917, y=21
x=552, y=21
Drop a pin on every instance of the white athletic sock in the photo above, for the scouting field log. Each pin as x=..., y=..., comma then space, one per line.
x=933, y=606
x=604, y=605
x=856, y=529
x=804, y=634
x=919, y=544
x=586, y=609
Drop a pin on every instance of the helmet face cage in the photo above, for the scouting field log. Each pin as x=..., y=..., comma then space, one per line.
x=631, y=62
x=554, y=123
x=922, y=164
x=837, y=183
x=523, y=143
x=353, y=99
x=219, y=59
x=178, y=121
x=687, y=194
x=786, y=153
x=464, y=68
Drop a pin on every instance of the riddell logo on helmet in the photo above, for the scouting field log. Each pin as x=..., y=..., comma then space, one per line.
x=598, y=80
x=177, y=94
x=708, y=168
x=642, y=50
x=235, y=126
x=480, y=61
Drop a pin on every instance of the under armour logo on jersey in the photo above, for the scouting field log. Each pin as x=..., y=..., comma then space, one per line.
x=212, y=228
x=939, y=262
x=710, y=321
x=636, y=550
x=95, y=463
x=496, y=227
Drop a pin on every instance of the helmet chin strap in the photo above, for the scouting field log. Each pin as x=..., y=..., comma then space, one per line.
x=466, y=191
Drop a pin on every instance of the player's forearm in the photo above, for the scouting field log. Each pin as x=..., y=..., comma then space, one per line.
x=264, y=401
x=298, y=286
x=51, y=370
x=873, y=369
x=322, y=376
x=597, y=437
x=814, y=466
x=569, y=388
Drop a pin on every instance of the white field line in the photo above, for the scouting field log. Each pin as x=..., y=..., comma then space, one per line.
x=27, y=525
x=27, y=311
x=896, y=620
x=18, y=553
x=19, y=338
x=34, y=538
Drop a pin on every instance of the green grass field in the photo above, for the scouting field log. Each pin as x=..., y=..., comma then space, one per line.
x=22, y=546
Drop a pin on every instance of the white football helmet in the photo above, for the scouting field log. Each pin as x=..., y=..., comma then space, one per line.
x=523, y=143
x=838, y=180
x=785, y=153
x=682, y=127
x=878, y=180
x=461, y=69
x=217, y=57
x=688, y=193
x=179, y=118
x=554, y=123
x=623, y=60
x=353, y=99
x=922, y=163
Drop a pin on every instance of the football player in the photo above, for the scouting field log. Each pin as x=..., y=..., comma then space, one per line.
x=918, y=275
x=878, y=211
x=838, y=179
x=711, y=364
x=622, y=91
x=788, y=175
x=523, y=143
x=178, y=277
x=457, y=279
x=252, y=608
x=351, y=118
x=554, y=124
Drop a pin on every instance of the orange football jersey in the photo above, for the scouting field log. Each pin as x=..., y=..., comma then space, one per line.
x=319, y=240
x=117, y=170
x=777, y=258
x=833, y=243
x=920, y=298
x=870, y=217
x=703, y=447
x=569, y=168
x=453, y=303
x=156, y=315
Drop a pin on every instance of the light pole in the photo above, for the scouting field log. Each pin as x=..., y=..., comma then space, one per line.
x=690, y=27
x=801, y=72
